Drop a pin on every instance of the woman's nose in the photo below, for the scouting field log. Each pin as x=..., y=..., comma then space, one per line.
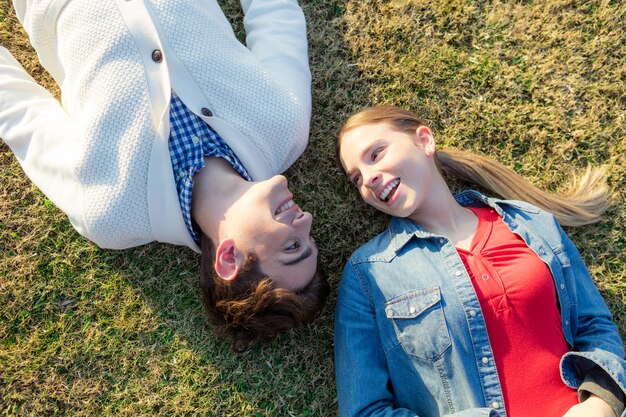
x=372, y=180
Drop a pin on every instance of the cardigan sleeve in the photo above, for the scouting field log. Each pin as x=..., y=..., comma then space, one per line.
x=41, y=135
x=276, y=35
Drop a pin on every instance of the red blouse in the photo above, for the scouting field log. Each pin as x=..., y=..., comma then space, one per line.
x=518, y=300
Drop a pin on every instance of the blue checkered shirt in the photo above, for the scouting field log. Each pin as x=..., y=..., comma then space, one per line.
x=190, y=140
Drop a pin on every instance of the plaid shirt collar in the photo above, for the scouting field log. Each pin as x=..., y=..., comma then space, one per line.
x=191, y=139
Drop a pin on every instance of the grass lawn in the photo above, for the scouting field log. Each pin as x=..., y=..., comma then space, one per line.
x=540, y=85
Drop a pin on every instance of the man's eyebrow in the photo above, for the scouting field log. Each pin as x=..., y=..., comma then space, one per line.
x=300, y=258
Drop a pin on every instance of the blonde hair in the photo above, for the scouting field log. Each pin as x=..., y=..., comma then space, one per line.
x=586, y=198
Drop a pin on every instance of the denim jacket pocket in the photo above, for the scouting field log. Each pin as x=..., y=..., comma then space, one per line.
x=419, y=323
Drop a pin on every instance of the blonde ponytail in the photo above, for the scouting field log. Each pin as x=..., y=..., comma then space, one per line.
x=587, y=197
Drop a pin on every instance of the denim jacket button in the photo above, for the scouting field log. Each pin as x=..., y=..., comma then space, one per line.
x=562, y=286
x=457, y=273
x=567, y=322
x=495, y=404
x=412, y=310
x=472, y=313
x=485, y=360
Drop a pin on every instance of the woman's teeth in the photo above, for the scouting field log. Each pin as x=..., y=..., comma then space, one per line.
x=385, y=193
x=285, y=206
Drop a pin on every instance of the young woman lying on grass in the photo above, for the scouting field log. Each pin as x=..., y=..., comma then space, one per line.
x=468, y=305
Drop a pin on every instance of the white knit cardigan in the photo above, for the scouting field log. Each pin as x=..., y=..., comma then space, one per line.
x=102, y=155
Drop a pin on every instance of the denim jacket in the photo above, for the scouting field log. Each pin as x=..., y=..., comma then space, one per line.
x=410, y=337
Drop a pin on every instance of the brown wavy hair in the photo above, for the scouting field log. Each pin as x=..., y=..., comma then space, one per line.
x=250, y=308
x=587, y=197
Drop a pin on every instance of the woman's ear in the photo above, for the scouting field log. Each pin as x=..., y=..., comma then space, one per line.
x=227, y=260
x=424, y=138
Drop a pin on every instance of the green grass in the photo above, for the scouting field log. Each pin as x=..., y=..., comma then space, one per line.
x=84, y=331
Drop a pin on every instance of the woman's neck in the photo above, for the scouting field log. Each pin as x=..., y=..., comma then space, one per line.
x=442, y=215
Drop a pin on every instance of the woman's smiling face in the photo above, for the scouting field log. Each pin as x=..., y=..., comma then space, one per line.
x=392, y=170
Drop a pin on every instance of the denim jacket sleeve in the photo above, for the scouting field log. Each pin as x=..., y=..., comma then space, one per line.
x=360, y=362
x=596, y=340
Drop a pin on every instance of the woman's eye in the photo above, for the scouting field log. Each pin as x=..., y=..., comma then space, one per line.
x=293, y=246
x=376, y=153
x=356, y=180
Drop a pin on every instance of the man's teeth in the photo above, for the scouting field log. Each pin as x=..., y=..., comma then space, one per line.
x=285, y=206
x=383, y=195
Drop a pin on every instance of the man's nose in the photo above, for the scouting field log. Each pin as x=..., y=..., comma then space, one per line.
x=279, y=180
x=303, y=221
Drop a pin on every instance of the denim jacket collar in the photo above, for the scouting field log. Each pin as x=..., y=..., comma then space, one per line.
x=403, y=229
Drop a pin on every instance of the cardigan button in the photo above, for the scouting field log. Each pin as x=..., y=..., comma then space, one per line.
x=157, y=55
x=206, y=112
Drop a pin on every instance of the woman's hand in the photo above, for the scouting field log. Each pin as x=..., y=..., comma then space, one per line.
x=593, y=406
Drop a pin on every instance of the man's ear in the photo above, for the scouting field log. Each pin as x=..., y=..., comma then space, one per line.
x=227, y=260
x=424, y=137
